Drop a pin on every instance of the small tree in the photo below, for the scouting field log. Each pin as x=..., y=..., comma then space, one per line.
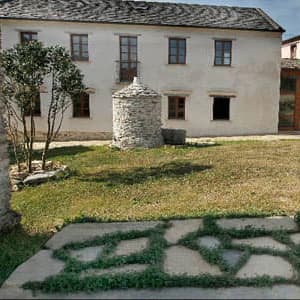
x=26, y=67
x=66, y=83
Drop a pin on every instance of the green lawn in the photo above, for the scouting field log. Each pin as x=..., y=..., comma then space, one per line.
x=252, y=178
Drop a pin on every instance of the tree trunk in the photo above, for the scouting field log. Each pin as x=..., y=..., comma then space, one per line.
x=8, y=218
x=44, y=155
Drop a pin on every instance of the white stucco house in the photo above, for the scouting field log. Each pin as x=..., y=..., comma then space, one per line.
x=290, y=48
x=217, y=67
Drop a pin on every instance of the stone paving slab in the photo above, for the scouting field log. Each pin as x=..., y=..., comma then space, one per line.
x=181, y=228
x=37, y=268
x=181, y=260
x=209, y=242
x=271, y=223
x=261, y=242
x=87, y=254
x=295, y=238
x=275, y=292
x=273, y=266
x=232, y=257
x=129, y=247
x=76, y=233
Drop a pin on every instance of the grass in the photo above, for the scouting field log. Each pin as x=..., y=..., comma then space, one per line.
x=230, y=178
x=71, y=280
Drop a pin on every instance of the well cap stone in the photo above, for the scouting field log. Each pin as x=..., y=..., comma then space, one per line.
x=136, y=89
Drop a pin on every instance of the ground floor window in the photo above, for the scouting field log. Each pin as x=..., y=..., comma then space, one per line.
x=36, y=108
x=81, y=105
x=221, y=108
x=176, y=108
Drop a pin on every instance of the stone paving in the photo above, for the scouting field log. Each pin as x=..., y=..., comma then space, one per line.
x=180, y=228
x=267, y=265
x=131, y=246
x=183, y=261
x=183, y=257
x=209, y=242
x=87, y=254
x=261, y=242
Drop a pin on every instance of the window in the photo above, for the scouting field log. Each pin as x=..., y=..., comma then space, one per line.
x=293, y=51
x=128, y=58
x=177, y=51
x=221, y=108
x=81, y=106
x=79, y=47
x=36, y=108
x=177, y=108
x=223, y=53
x=28, y=37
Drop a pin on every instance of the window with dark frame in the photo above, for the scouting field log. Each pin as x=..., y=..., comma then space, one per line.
x=128, y=58
x=28, y=37
x=293, y=51
x=177, y=51
x=223, y=53
x=221, y=108
x=79, y=47
x=36, y=108
x=176, y=108
x=81, y=106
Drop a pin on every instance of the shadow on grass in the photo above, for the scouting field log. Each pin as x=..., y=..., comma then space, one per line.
x=16, y=247
x=201, y=145
x=55, y=152
x=63, y=151
x=140, y=175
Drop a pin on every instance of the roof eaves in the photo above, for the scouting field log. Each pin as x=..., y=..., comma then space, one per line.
x=291, y=40
x=136, y=23
x=275, y=25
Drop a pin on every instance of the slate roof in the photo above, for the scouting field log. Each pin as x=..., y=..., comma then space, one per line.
x=287, y=63
x=291, y=40
x=140, y=12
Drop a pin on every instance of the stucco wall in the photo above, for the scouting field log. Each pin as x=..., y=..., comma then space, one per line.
x=286, y=50
x=254, y=77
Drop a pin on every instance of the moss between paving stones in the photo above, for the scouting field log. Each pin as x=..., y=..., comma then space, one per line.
x=153, y=276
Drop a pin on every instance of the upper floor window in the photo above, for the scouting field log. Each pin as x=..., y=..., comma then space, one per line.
x=176, y=108
x=177, y=51
x=293, y=51
x=36, y=109
x=81, y=105
x=223, y=53
x=128, y=58
x=79, y=47
x=28, y=37
x=221, y=108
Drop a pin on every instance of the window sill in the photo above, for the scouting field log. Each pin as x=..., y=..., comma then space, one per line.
x=81, y=118
x=179, y=65
x=180, y=120
x=81, y=60
x=221, y=120
x=224, y=66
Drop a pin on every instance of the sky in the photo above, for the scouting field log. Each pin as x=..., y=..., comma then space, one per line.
x=284, y=12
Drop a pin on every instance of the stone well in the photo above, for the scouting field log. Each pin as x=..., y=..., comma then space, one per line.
x=137, y=117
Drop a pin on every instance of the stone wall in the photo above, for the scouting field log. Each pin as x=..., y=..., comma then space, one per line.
x=137, y=117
